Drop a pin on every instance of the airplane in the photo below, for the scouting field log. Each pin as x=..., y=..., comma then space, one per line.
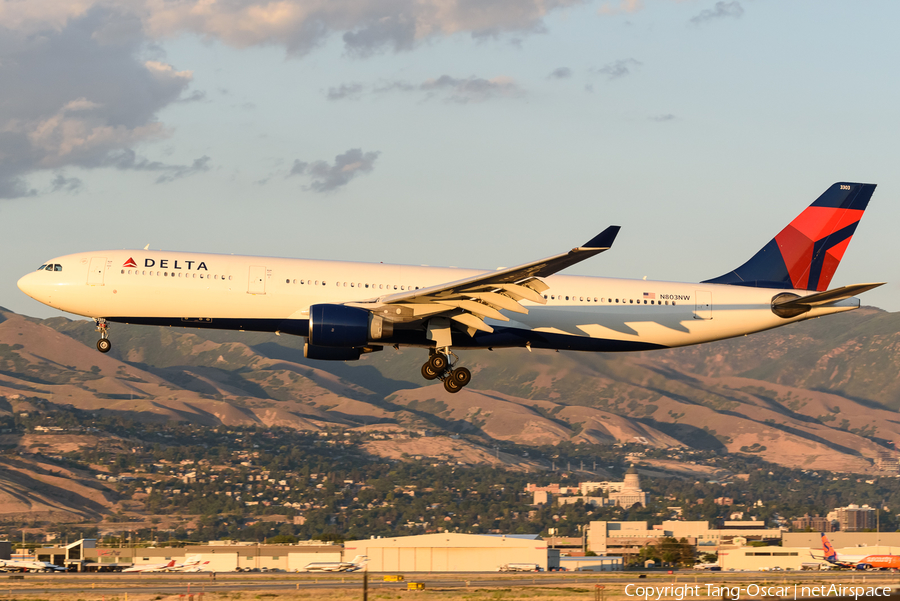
x=25, y=565
x=151, y=567
x=345, y=309
x=858, y=562
x=194, y=563
x=337, y=566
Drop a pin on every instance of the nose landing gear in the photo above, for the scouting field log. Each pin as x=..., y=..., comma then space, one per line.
x=439, y=366
x=104, y=344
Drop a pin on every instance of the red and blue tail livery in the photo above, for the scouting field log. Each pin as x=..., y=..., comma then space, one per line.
x=805, y=254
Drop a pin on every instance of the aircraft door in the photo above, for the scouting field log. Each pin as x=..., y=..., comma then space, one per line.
x=257, y=280
x=702, y=304
x=96, y=271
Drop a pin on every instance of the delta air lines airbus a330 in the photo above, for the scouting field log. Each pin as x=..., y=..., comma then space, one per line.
x=345, y=309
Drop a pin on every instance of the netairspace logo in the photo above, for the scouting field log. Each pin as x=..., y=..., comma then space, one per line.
x=752, y=591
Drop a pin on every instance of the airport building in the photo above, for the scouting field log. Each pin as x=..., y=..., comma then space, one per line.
x=452, y=552
x=222, y=556
x=627, y=538
x=813, y=540
x=752, y=559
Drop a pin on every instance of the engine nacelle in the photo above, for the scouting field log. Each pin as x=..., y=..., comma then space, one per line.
x=326, y=353
x=345, y=327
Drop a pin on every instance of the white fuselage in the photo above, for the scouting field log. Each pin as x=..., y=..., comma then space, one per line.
x=270, y=294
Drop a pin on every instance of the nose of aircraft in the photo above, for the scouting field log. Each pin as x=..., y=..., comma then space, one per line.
x=28, y=284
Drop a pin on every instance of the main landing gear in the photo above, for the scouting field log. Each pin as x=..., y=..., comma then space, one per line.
x=104, y=344
x=439, y=366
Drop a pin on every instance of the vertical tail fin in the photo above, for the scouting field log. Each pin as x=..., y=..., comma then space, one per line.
x=805, y=254
x=827, y=549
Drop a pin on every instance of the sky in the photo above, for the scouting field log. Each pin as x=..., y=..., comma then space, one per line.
x=471, y=133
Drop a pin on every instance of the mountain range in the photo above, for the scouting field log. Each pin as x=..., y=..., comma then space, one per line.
x=821, y=394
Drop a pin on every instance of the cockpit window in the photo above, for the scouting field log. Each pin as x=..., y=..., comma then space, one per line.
x=42, y=267
x=57, y=267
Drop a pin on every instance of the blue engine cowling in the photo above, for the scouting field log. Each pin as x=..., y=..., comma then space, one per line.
x=338, y=326
x=327, y=353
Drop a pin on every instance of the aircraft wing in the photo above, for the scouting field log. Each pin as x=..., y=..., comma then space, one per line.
x=470, y=300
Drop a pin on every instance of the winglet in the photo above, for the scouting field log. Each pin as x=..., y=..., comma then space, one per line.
x=604, y=239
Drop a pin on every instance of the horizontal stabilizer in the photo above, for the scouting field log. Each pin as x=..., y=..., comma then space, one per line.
x=824, y=298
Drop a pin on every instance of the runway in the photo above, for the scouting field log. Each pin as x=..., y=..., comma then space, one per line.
x=115, y=584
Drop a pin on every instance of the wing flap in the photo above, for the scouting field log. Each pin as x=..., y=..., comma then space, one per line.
x=827, y=297
x=469, y=320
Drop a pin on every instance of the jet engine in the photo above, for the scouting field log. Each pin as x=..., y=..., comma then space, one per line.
x=339, y=326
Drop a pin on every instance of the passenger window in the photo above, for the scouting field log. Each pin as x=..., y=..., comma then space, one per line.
x=581, y=298
x=567, y=298
x=287, y=281
x=123, y=271
x=552, y=297
x=617, y=300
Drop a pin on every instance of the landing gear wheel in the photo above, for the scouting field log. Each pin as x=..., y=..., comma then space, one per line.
x=452, y=386
x=428, y=373
x=438, y=362
x=103, y=345
x=461, y=375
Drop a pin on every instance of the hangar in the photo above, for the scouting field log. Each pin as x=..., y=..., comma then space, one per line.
x=452, y=552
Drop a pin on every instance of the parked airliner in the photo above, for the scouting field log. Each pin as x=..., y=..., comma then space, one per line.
x=858, y=562
x=345, y=309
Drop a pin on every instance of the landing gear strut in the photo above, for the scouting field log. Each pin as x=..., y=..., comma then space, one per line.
x=439, y=366
x=104, y=344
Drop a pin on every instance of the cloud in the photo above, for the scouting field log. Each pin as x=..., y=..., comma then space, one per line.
x=453, y=89
x=471, y=89
x=619, y=68
x=560, y=73
x=68, y=184
x=720, y=11
x=329, y=177
x=345, y=90
x=663, y=118
x=78, y=96
x=128, y=159
x=365, y=26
